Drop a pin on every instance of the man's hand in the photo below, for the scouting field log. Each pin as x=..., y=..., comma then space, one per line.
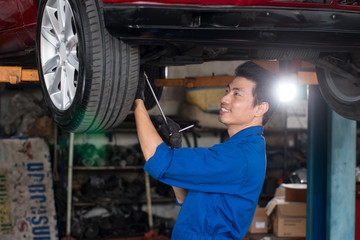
x=168, y=132
x=141, y=87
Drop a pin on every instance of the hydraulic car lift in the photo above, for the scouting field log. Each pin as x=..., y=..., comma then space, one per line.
x=305, y=73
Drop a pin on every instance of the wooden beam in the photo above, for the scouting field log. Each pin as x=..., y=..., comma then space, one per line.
x=305, y=72
x=271, y=66
x=29, y=75
x=10, y=75
x=195, y=82
x=308, y=78
x=15, y=75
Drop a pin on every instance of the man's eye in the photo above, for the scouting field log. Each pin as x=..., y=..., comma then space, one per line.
x=237, y=94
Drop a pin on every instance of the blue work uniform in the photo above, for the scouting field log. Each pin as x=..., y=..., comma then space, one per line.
x=224, y=184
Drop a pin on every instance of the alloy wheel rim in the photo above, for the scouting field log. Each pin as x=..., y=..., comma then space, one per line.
x=59, y=52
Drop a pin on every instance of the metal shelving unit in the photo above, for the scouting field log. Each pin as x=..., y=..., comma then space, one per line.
x=96, y=169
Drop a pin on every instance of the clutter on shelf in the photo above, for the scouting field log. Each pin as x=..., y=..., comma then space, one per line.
x=107, y=155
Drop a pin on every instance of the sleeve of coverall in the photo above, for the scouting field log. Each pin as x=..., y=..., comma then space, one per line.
x=217, y=169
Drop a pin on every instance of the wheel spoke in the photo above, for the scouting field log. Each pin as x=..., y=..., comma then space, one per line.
x=61, y=15
x=73, y=60
x=49, y=81
x=64, y=88
x=54, y=21
x=72, y=42
x=51, y=64
x=49, y=36
x=69, y=33
x=70, y=72
x=56, y=99
x=55, y=89
x=53, y=86
x=52, y=82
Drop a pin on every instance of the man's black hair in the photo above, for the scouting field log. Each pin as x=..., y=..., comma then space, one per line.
x=265, y=82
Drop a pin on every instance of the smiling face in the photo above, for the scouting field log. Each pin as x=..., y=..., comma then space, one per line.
x=237, y=106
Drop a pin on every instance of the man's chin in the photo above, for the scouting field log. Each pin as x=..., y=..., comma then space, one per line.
x=221, y=120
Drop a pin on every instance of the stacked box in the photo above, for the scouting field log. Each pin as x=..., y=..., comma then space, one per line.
x=289, y=216
x=290, y=219
x=259, y=223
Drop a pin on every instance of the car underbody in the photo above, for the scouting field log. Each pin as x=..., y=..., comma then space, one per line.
x=137, y=35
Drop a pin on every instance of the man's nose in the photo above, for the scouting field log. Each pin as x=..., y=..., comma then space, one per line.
x=225, y=98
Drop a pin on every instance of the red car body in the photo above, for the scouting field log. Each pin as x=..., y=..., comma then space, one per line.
x=17, y=26
x=18, y=18
x=332, y=4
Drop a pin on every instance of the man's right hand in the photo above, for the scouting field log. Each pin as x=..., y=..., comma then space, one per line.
x=169, y=132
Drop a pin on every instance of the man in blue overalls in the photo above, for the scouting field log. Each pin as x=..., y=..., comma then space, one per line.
x=218, y=187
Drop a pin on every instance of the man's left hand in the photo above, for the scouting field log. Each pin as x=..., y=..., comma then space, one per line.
x=140, y=88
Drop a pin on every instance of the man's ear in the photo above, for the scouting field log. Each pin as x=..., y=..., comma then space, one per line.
x=261, y=109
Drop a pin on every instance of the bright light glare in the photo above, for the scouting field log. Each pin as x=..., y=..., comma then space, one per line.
x=286, y=91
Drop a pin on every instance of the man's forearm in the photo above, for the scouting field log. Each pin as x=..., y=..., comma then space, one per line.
x=150, y=139
x=180, y=194
x=148, y=136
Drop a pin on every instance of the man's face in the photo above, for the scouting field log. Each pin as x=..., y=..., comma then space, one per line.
x=237, y=110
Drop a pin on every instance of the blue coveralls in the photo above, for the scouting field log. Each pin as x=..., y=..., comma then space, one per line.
x=224, y=184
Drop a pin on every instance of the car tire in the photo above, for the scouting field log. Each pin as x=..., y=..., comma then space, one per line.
x=340, y=93
x=88, y=77
x=153, y=72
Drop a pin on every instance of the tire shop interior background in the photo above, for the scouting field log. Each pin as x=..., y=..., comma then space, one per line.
x=111, y=197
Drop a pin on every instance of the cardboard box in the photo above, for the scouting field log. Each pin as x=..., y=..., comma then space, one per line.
x=280, y=192
x=289, y=217
x=295, y=192
x=260, y=221
x=290, y=227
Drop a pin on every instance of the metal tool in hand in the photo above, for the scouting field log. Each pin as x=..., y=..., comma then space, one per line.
x=158, y=104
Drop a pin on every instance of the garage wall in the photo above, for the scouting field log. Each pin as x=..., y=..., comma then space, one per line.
x=172, y=97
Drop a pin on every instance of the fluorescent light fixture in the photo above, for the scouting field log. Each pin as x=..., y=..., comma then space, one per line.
x=286, y=89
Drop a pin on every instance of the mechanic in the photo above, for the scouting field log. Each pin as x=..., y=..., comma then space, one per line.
x=218, y=187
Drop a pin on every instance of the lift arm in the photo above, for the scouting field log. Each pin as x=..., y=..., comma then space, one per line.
x=15, y=75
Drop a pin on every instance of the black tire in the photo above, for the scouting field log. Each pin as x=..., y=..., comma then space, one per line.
x=340, y=93
x=153, y=72
x=105, y=80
